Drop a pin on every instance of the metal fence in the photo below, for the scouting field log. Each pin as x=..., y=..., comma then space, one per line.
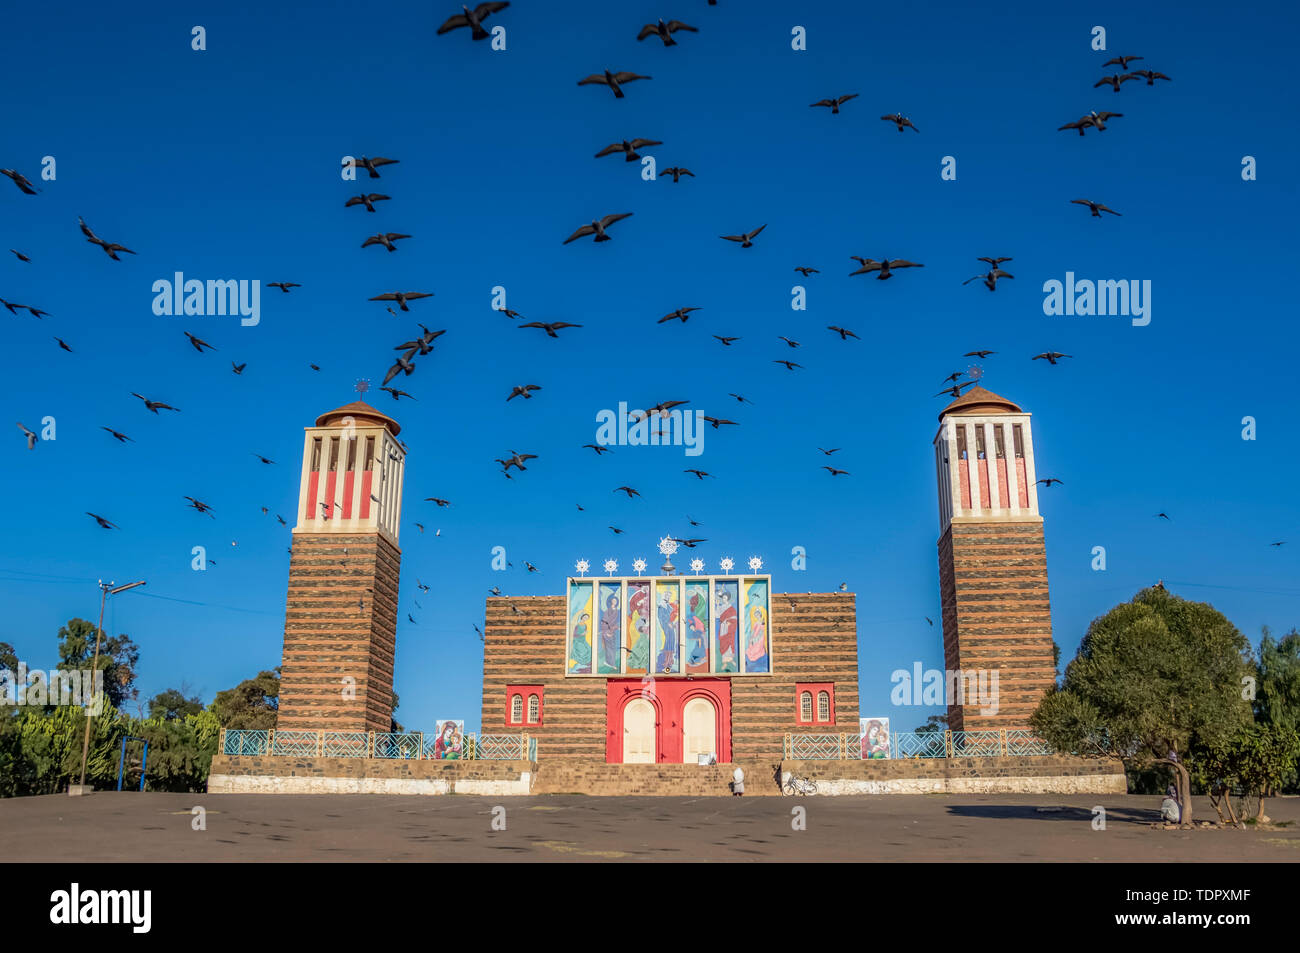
x=404, y=745
x=918, y=744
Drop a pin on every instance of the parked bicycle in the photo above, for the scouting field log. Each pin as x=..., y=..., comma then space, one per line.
x=796, y=785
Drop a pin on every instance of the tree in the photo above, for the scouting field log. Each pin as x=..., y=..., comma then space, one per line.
x=1256, y=761
x=118, y=657
x=253, y=703
x=1153, y=679
x=932, y=724
x=172, y=704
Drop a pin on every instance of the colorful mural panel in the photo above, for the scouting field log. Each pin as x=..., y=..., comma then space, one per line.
x=580, y=628
x=668, y=625
x=755, y=626
x=726, y=649
x=609, y=646
x=696, y=609
x=636, y=633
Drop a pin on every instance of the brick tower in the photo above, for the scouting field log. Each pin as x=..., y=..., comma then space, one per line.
x=340, y=621
x=992, y=559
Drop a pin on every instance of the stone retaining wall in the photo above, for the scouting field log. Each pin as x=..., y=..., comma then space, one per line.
x=312, y=775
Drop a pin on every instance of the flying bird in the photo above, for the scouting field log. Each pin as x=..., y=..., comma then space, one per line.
x=238, y=368
x=509, y=314
x=200, y=506
x=990, y=279
x=1095, y=119
x=64, y=344
x=599, y=450
x=833, y=472
x=677, y=172
x=117, y=435
x=681, y=313
x=367, y=200
x=20, y=180
x=522, y=390
x=529, y=566
x=199, y=343
x=726, y=341
x=284, y=286
x=155, y=405
x=628, y=148
x=718, y=421
x=1114, y=80
x=955, y=389
x=699, y=474
x=384, y=238
x=740, y=399
x=1163, y=516
x=1049, y=481
x=900, y=121
x=1120, y=61
x=597, y=228
x=747, y=239
x=835, y=103
x=517, y=460
x=473, y=19
x=806, y=271
x=665, y=30
x=1097, y=207
x=788, y=341
x=402, y=364
x=31, y=437
x=980, y=354
x=103, y=523
x=885, y=266
x=829, y=452
x=21, y=256
x=616, y=530
x=789, y=365
x=1149, y=75
x=401, y=297
x=263, y=459
x=111, y=248
x=844, y=333
x=613, y=80
x=371, y=165
x=1051, y=356
x=551, y=328
x=434, y=499
x=628, y=490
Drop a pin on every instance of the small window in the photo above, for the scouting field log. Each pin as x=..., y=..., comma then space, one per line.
x=979, y=442
x=534, y=709
x=805, y=706
x=1019, y=440
x=370, y=453
x=823, y=706
x=816, y=703
x=352, y=454
x=999, y=443
x=315, y=455
x=334, y=454
x=524, y=705
x=961, y=443
x=516, y=709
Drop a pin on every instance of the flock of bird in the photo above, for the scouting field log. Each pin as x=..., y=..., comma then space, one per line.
x=422, y=344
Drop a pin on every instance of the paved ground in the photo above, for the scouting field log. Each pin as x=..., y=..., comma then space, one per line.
x=243, y=828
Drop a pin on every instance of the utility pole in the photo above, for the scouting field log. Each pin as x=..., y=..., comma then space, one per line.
x=105, y=590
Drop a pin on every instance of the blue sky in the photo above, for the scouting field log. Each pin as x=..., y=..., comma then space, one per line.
x=225, y=164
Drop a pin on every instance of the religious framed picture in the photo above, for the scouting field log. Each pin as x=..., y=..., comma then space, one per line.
x=450, y=742
x=875, y=738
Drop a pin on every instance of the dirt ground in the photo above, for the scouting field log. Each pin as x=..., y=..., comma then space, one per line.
x=244, y=827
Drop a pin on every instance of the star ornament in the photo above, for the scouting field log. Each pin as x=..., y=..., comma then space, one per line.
x=582, y=566
x=755, y=564
x=638, y=566
x=667, y=546
x=697, y=565
x=611, y=566
x=727, y=563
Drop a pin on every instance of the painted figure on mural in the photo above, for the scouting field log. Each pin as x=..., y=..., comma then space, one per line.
x=696, y=634
x=580, y=654
x=609, y=632
x=756, y=643
x=728, y=623
x=450, y=744
x=638, y=628
x=667, y=630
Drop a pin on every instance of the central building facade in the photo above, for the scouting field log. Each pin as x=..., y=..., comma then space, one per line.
x=670, y=669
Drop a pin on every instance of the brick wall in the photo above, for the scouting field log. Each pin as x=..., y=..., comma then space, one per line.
x=340, y=621
x=997, y=615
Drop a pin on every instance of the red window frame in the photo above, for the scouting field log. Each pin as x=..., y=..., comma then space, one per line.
x=525, y=692
x=813, y=688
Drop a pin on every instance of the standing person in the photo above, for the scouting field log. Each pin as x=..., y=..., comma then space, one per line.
x=738, y=783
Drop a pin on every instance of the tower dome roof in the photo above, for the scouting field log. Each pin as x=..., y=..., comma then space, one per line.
x=977, y=400
x=361, y=413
